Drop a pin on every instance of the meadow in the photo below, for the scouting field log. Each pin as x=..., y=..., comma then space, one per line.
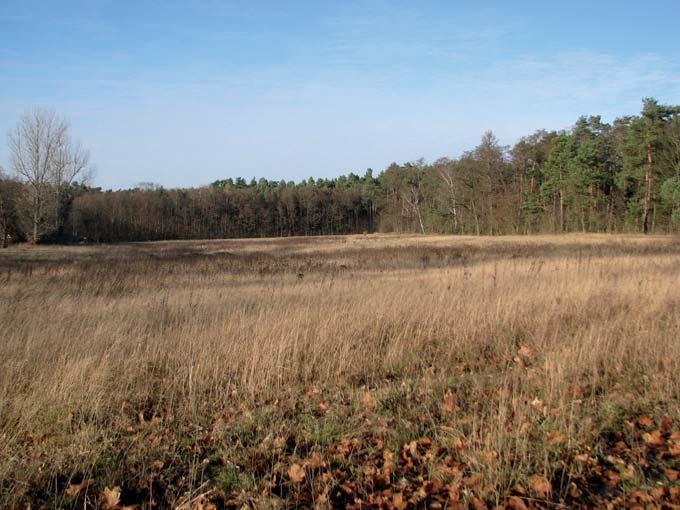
x=366, y=371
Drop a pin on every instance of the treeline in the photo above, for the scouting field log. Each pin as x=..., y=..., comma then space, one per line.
x=225, y=209
x=594, y=177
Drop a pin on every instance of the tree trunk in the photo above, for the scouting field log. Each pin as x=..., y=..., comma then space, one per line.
x=3, y=235
x=610, y=210
x=562, y=215
x=474, y=213
x=454, y=211
x=491, y=220
x=594, y=210
x=583, y=220
x=35, y=227
x=649, y=180
x=420, y=219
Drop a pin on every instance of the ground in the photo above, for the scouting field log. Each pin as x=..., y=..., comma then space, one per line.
x=342, y=372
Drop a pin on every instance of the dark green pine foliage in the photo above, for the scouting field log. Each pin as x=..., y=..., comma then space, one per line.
x=655, y=116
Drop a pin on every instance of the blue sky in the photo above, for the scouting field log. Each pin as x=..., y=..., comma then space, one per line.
x=183, y=93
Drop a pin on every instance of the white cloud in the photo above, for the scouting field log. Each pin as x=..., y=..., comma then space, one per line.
x=571, y=79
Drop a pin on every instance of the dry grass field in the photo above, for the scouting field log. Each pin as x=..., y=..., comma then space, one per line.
x=342, y=372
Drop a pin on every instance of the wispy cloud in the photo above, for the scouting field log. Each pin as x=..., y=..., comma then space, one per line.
x=396, y=46
x=569, y=80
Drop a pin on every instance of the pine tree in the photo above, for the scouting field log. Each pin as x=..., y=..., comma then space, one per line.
x=654, y=115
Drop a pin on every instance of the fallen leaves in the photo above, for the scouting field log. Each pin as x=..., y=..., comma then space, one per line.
x=472, y=481
x=296, y=473
x=449, y=404
x=477, y=504
x=540, y=486
x=110, y=498
x=555, y=437
x=674, y=444
x=398, y=502
x=314, y=462
x=637, y=454
x=368, y=400
x=445, y=464
x=74, y=490
x=203, y=503
x=645, y=421
x=654, y=439
x=516, y=503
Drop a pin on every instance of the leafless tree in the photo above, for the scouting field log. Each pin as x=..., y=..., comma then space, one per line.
x=446, y=172
x=47, y=160
x=411, y=197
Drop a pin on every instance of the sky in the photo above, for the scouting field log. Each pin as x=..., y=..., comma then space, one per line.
x=184, y=93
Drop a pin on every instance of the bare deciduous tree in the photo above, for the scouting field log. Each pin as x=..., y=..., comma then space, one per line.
x=43, y=155
x=445, y=170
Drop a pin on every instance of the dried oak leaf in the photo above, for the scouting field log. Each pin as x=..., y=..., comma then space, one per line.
x=674, y=494
x=76, y=488
x=658, y=493
x=645, y=421
x=471, y=481
x=516, y=503
x=368, y=400
x=110, y=498
x=203, y=503
x=296, y=473
x=315, y=462
x=640, y=496
x=449, y=404
x=448, y=471
x=525, y=352
x=666, y=423
x=628, y=472
x=555, y=437
x=388, y=464
x=478, y=504
x=398, y=501
x=540, y=486
x=674, y=448
x=279, y=443
x=654, y=439
x=672, y=474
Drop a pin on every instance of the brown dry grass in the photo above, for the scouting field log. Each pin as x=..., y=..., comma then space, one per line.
x=545, y=342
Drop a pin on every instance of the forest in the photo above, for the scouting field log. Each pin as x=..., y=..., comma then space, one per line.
x=614, y=177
